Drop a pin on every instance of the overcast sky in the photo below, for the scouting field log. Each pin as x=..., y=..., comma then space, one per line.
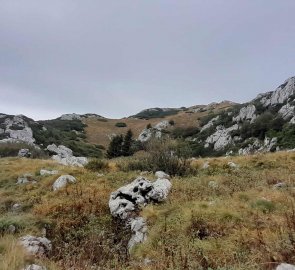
x=116, y=58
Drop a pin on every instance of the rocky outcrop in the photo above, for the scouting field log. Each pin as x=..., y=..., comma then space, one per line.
x=269, y=144
x=38, y=246
x=126, y=202
x=155, y=131
x=281, y=94
x=64, y=156
x=62, y=181
x=287, y=111
x=246, y=113
x=210, y=123
x=70, y=116
x=16, y=128
x=221, y=137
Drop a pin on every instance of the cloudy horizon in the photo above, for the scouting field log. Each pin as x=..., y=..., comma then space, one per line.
x=116, y=58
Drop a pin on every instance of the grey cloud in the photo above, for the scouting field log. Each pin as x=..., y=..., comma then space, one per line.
x=117, y=57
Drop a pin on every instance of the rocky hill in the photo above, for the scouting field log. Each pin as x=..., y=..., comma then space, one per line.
x=266, y=123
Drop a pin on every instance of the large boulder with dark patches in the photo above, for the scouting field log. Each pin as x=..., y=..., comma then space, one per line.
x=126, y=202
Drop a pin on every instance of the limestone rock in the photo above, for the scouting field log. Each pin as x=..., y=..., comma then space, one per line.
x=127, y=201
x=221, y=137
x=287, y=111
x=70, y=116
x=24, y=153
x=232, y=165
x=281, y=94
x=145, y=135
x=162, y=175
x=38, y=246
x=139, y=231
x=285, y=266
x=34, y=267
x=62, y=181
x=246, y=113
x=44, y=172
x=209, y=124
x=64, y=156
x=26, y=178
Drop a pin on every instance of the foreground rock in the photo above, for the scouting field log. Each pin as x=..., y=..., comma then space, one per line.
x=38, y=246
x=24, y=153
x=285, y=266
x=34, y=267
x=25, y=179
x=62, y=181
x=126, y=202
x=64, y=156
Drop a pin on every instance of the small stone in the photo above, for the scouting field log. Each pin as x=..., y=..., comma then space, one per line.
x=38, y=246
x=280, y=185
x=34, y=267
x=162, y=175
x=44, y=172
x=11, y=229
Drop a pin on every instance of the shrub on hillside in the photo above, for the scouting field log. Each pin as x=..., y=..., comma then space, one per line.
x=121, y=124
x=11, y=150
x=97, y=165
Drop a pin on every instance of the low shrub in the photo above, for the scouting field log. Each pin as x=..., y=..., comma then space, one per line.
x=97, y=165
x=121, y=124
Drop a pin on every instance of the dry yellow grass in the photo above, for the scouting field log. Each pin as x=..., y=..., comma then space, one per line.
x=98, y=131
x=241, y=223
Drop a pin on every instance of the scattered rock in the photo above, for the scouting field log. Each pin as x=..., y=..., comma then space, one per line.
x=38, y=246
x=285, y=266
x=11, y=229
x=16, y=207
x=162, y=175
x=127, y=200
x=44, y=172
x=232, y=165
x=34, y=267
x=280, y=185
x=62, y=181
x=206, y=165
x=26, y=178
x=100, y=175
x=24, y=153
x=64, y=156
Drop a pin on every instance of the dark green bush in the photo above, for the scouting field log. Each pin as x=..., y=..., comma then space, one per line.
x=97, y=165
x=121, y=124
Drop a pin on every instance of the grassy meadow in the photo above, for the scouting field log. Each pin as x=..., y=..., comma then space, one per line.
x=215, y=218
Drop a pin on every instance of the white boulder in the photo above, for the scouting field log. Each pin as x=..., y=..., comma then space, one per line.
x=62, y=181
x=24, y=153
x=285, y=266
x=38, y=246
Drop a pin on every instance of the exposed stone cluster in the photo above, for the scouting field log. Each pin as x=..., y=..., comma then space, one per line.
x=126, y=202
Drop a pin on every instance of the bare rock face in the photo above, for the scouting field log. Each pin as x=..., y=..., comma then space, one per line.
x=17, y=129
x=62, y=181
x=39, y=246
x=281, y=94
x=287, y=111
x=64, y=156
x=70, y=116
x=210, y=123
x=221, y=137
x=126, y=202
x=155, y=131
x=246, y=113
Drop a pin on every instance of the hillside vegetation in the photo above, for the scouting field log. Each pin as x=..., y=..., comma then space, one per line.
x=220, y=217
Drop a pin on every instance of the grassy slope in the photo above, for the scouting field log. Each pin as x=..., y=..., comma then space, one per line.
x=97, y=131
x=242, y=224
